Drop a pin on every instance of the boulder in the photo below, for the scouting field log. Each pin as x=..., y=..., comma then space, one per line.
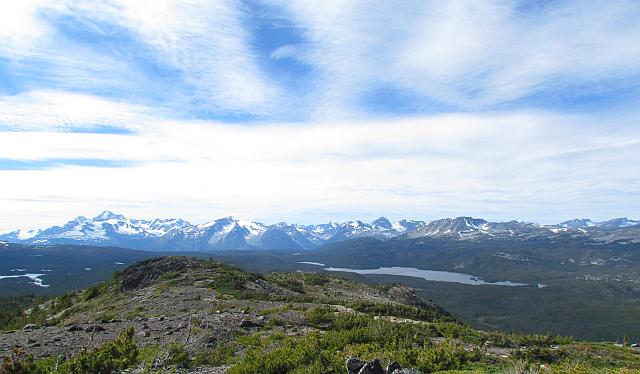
x=249, y=323
x=372, y=367
x=94, y=328
x=354, y=364
x=30, y=327
x=407, y=371
x=74, y=328
x=392, y=367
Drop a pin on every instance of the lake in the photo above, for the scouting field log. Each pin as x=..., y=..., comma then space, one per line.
x=430, y=275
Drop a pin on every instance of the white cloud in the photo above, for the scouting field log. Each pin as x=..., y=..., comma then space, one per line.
x=529, y=165
x=208, y=43
x=59, y=110
x=466, y=54
x=204, y=43
x=18, y=21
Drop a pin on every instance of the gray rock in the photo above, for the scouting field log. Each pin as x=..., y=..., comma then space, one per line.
x=407, y=371
x=249, y=323
x=373, y=367
x=392, y=367
x=94, y=328
x=144, y=333
x=30, y=327
x=74, y=328
x=354, y=365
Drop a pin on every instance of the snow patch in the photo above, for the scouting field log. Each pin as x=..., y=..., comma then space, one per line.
x=311, y=263
x=35, y=278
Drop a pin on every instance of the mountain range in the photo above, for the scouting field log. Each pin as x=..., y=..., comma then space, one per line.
x=111, y=229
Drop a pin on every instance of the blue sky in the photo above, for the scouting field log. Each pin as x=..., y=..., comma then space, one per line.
x=308, y=111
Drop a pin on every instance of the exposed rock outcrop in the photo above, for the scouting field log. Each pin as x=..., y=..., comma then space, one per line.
x=356, y=365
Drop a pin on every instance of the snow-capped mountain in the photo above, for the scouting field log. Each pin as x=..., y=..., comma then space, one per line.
x=109, y=228
x=19, y=235
x=468, y=228
x=227, y=233
x=577, y=223
x=380, y=228
x=616, y=223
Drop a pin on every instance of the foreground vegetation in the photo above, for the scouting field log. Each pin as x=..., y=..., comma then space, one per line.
x=455, y=348
x=304, y=323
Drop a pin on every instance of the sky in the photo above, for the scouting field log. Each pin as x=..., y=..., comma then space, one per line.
x=310, y=111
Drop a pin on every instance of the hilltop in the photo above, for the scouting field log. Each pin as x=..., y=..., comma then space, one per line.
x=173, y=312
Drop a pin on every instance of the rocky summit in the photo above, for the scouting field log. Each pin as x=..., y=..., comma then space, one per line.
x=204, y=316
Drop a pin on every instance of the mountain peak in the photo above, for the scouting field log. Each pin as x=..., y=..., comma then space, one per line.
x=106, y=215
x=382, y=222
x=577, y=223
x=619, y=223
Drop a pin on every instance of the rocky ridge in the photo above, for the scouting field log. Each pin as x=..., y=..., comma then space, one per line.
x=198, y=303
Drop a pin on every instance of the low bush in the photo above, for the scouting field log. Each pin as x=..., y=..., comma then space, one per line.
x=113, y=356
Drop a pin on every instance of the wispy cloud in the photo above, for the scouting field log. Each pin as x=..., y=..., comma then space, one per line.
x=469, y=55
x=64, y=111
x=506, y=165
x=194, y=54
x=205, y=59
x=12, y=164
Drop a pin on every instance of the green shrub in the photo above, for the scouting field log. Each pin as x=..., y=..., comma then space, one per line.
x=178, y=355
x=350, y=334
x=170, y=275
x=316, y=279
x=399, y=310
x=148, y=354
x=222, y=354
x=290, y=284
x=445, y=356
x=112, y=356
